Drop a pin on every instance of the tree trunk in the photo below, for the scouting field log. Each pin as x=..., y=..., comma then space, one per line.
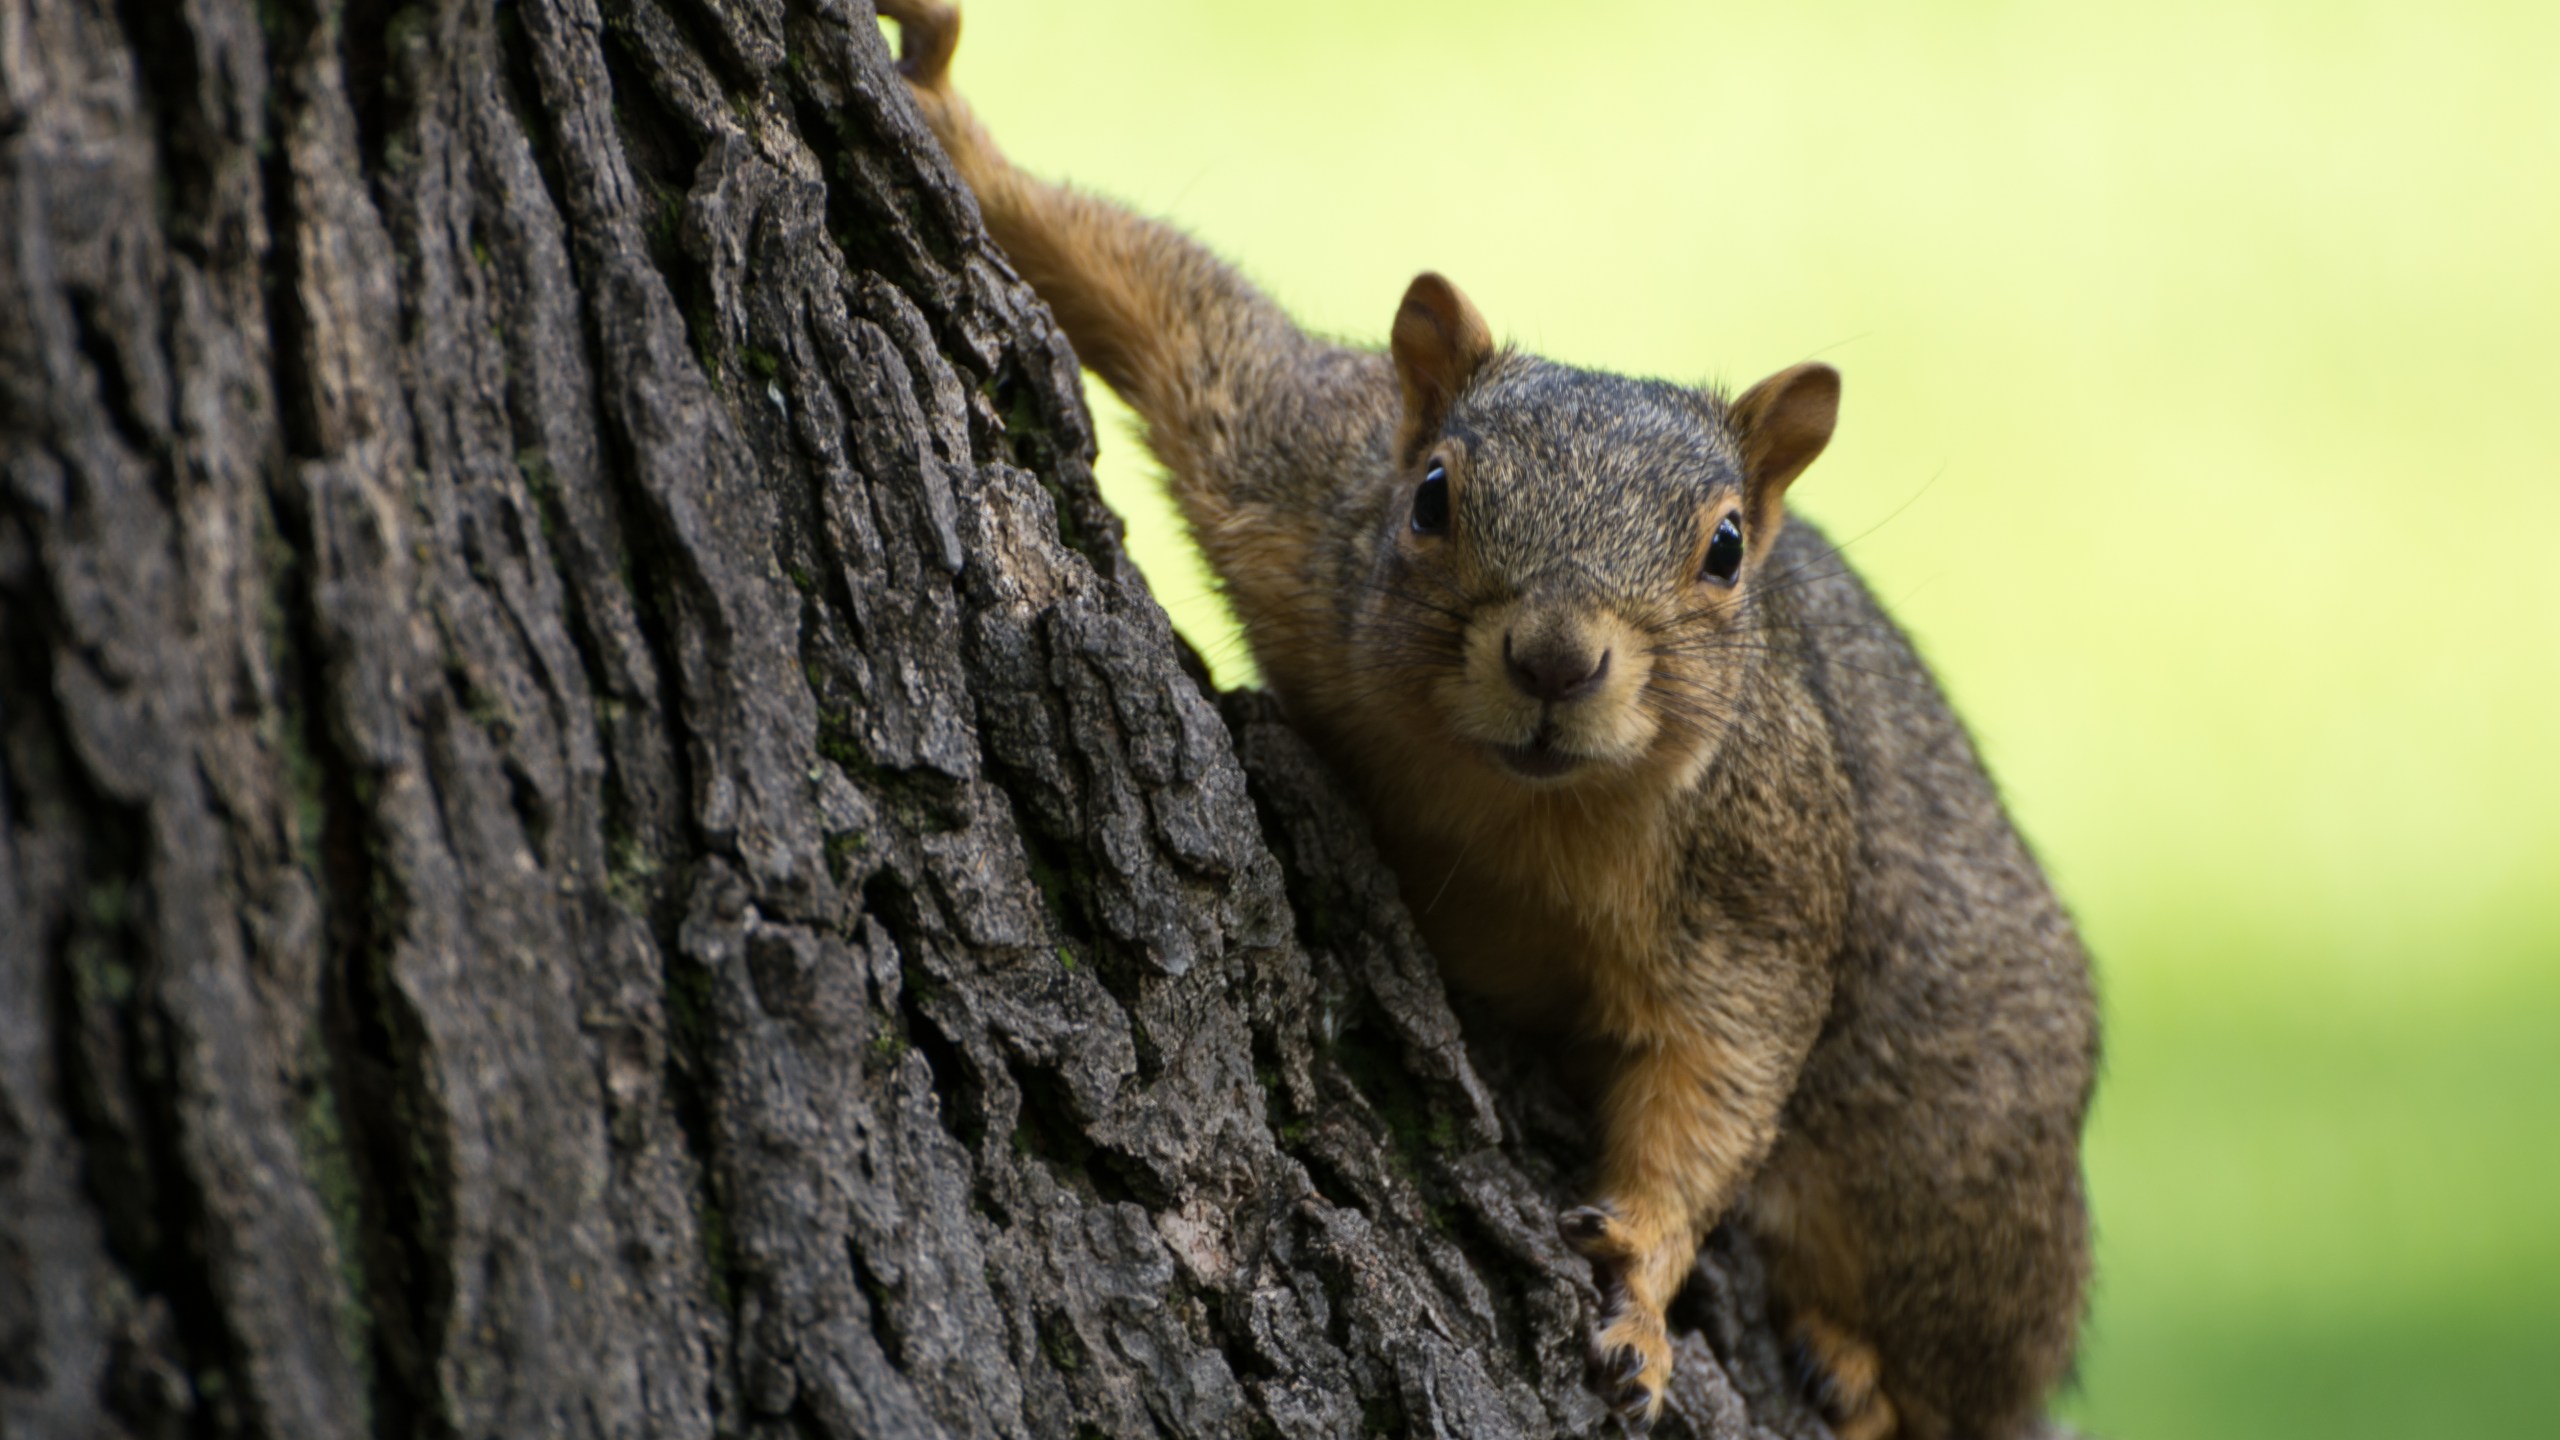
x=598, y=837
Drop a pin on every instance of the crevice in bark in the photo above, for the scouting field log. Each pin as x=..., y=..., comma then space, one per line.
x=357, y=1123
x=705, y=39
x=964, y=1095
x=164, y=56
x=21, y=1328
x=288, y=330
x=1064, y=1349
x=115, y=387
x=542, y=487
x=691, y=1073
x=120, y=1097
x=1370, y=1058
x=1047, y=1130
x=364, y=67
x=1064, y=890
x=322, y=1122
x=520, y=86
x=1028, y=436
x=879, y=1302
x=1064, y=870
x=641, y=873
x=665, y=153
x=867, y=209
x=633, y=855
x=20, y=645
x=369, y=1046
x=1506, y=1287
x=923, y=799
x=647, y=872
x=1282, y=1114
x=629, y=510
x=524, y=795
x=649, y=868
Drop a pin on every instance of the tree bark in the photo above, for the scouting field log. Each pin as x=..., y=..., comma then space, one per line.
x=597, y=836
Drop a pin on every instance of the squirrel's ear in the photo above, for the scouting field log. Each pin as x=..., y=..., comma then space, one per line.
x=1783, y=422
x=1439, y=342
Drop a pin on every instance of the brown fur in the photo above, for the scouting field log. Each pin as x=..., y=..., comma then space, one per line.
x=1751, y=851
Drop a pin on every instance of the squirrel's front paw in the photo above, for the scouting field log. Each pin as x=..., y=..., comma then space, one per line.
x=1629, y=1366
x=928, y=31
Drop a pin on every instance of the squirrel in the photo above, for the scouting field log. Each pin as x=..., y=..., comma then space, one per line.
x=1641, y=752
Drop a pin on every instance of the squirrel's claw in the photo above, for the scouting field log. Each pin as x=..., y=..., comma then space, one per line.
x=928, y=33
x=1617, y=1376
x=1585, y=1228
x=1629, y=1362
x=1614, y=1369
x=1812, y=1379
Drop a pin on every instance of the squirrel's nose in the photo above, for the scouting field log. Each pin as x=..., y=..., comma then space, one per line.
x=1554, y=673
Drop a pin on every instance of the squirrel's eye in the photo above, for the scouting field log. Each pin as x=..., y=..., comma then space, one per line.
x=1724, y=552
x=1431, y=502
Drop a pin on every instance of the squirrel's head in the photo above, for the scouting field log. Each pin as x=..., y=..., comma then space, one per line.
x=1566, y=561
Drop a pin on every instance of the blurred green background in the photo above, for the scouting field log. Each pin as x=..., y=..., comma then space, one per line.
x=2202, y=369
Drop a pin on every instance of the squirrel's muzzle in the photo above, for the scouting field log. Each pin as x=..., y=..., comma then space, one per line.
x=1550, y=681
x=1553, y=669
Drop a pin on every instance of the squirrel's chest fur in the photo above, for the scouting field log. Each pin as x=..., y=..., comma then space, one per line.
x=1615, y=907
x=1533, y=911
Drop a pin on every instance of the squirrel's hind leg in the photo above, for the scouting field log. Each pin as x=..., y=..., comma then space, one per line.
x=1818, y=1275
x=1843, y=1376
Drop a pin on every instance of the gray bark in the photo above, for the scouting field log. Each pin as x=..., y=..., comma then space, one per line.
x=597, y=836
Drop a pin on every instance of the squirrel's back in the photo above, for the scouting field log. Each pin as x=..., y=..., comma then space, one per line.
x=1961, y=1046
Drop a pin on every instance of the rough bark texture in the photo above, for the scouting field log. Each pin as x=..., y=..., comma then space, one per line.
x=597, y=836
